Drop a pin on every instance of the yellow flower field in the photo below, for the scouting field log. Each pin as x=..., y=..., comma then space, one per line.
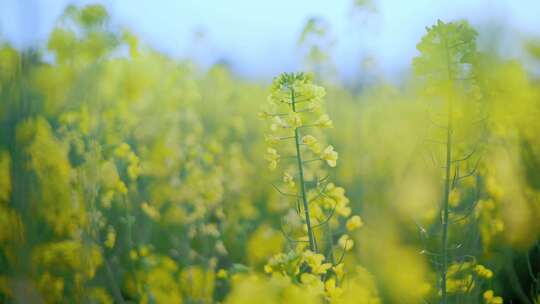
x=129, y=176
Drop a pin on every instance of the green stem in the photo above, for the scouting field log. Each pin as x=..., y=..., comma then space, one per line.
x=329, y=243
x=311, y=238
x=446, y=191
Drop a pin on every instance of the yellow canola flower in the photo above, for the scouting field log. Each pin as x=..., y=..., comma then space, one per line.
x=289, y=180
x=346, y=242
x=278, y=123
x=271, y=139
x=330, y=156
x=324, y=121
x=313, y=282
x=354, y=222
x=338, y=269
x=272, y=157
x=315, y=262
x=460, y=285
x=222, y=274
x=332, y=290
x=277, y=289
x=490, y=298
x=121, y=187
x=311, y=142
x=483, y=271
x=294, y=120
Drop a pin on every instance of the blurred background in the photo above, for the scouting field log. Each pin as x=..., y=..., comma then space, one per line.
x=170, y=151
x=261, y=39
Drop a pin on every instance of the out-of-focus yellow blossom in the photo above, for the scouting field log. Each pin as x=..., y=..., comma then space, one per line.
x=354, y=222
x=51, y=287
x=109, y=174
x=47, y=157
x=144, y=251
x=454, y=197
x=150, y=211
x=490, y=298
x=312, y=282
x=133, y=255
x=338, y=270
x=288, y=179
x=278, y=123
x=330, y=156
x=332, y=290
x=358, y=287
x=346, y=242
x=121, y=187
x=294, y=120
x=271, y=139
x=335, y=199
x=5, y=176
x=9, y=61
x=263, y=244
x=222, y=274
x=198, y=283
x=460, y=285
x=277, y=289
x=122, y=150
x=312, y=143
x=461, y=279
x=324, y=122
x=272, y=157
x=110, y=238
x=159, y=282
x=287, y=264
x=107, y=198
x=69, y=255
x=483, y=272
x=315, y=262
x=10, y=226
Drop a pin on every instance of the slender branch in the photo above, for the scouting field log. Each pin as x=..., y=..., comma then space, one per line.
x=286, y=235
x=343, y=252
x=311, y=237
x=472, y=172
x=321, y=193
x=327, y=219
x=283, y=193
x=312, y=160
x=467, y=156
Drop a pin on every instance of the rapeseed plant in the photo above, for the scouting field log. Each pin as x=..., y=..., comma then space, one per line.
x=295, y=114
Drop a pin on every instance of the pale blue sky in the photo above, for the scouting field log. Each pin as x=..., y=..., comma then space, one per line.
x=259, y=37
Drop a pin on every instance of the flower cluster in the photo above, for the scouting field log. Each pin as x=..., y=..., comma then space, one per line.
x=295, y=115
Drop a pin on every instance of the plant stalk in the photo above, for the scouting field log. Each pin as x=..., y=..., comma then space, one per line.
x=447, y=189
x=311, y=237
